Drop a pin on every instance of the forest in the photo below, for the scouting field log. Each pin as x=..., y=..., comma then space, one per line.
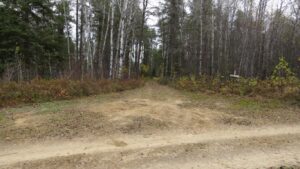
x=111, y=39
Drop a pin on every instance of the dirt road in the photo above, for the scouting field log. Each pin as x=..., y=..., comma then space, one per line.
x=155, y=127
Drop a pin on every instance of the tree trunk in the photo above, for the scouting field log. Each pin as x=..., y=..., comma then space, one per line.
x=81, y=39
x=145, y=5
x=122, y=39
x=104, y=46
x=77, y=28
x=212, y=39
x=111, y=39
x=201, y=39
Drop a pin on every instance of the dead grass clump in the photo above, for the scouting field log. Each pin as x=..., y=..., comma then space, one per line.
x=142, y=123
x=13, y=93
x=66, y=124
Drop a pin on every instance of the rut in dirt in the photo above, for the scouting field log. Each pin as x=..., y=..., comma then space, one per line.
x=104, y=145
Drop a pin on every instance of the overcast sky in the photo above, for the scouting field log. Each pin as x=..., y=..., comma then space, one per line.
x=152, y=20
x=273, y=4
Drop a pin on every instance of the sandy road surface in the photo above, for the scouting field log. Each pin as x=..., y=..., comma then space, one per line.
x=288, y=153
x=152, y=128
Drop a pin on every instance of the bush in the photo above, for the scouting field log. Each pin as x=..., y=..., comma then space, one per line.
x=282, y=75
x=48, y=90
x=242, y=87
x=247, y=86
x=282, y=84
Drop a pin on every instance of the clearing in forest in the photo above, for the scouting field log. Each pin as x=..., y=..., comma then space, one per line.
x=151, y=127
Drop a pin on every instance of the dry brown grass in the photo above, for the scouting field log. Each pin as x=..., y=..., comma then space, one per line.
x=34, y=91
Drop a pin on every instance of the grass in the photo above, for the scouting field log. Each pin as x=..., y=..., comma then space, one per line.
x=53, y=107
x=258, y=111
x=41, y=108
x=251, y=104
x=228, y=103
x=57, y=106
x=237, y=103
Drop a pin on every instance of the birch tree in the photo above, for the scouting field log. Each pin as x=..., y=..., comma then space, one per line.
x=112, y=6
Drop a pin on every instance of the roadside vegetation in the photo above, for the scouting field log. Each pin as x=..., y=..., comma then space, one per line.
x=244, y=87
x=282, y=85
x=147, y=109
x=12, y=93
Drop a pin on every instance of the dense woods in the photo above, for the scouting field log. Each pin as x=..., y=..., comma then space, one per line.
x=110, y=39
x=37, y=41
x=244, y=38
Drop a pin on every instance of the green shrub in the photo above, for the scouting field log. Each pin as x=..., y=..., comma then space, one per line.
x=247, y=86
x=145, y=70
x=282, y=75
x=187, y=83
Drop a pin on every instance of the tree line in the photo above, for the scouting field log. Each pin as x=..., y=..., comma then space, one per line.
x=110, y=39
x=79, y=39
x=238, y=37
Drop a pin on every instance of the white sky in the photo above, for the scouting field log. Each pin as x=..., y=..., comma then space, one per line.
x=152, y=20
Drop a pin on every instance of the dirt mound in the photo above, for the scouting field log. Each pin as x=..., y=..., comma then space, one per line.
x=66, y=124
x=143, y=123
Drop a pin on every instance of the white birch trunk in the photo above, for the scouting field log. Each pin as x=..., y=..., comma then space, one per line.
x=111, y=39
x=122, y=38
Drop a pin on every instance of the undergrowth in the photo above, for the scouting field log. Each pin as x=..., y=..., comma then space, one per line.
x=35, y=91
x=282, y=84
x=241, y=87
